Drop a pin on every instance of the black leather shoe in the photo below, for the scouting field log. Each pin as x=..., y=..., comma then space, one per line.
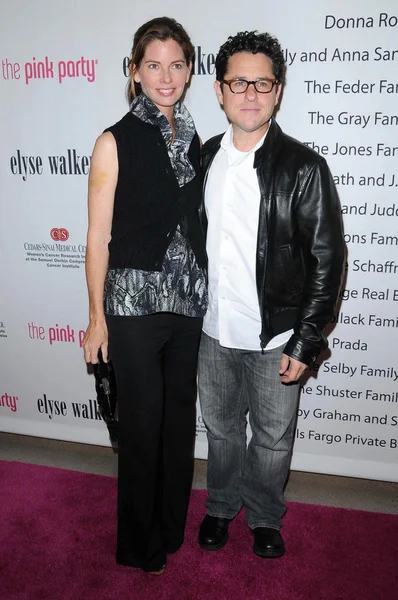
x=268, y=542
x=213, y=533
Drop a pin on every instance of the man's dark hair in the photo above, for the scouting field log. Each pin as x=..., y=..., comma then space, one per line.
x=253, y=42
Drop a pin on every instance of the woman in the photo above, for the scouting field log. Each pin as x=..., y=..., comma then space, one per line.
x=145, y=269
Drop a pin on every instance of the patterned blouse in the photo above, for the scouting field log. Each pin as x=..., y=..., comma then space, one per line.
x=180, y=287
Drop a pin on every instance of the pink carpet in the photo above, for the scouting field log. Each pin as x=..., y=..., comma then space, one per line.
x=57, y=537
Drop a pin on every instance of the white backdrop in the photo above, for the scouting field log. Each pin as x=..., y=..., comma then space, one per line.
x=62, y=82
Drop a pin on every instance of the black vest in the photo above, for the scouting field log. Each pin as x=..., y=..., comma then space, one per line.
x=149, y=204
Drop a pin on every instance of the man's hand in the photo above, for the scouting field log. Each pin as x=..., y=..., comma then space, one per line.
x=290, y=369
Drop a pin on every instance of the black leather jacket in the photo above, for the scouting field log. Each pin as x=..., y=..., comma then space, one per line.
x=300, y=246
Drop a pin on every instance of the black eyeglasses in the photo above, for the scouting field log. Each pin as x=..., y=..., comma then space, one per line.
x=240, y=86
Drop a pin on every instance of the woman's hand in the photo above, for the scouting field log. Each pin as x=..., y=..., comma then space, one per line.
x=96, y=337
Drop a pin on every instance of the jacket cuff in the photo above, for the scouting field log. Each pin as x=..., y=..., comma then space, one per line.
x=303, y=351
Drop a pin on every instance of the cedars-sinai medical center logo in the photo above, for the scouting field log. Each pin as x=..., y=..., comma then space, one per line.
x=59, y=234
x=56, y=254
x=3, y=333
x=45, y=68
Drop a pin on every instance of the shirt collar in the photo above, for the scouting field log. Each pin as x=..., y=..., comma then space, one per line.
x=235, y=156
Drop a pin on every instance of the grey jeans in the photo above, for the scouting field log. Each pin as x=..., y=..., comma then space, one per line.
x=231, y=383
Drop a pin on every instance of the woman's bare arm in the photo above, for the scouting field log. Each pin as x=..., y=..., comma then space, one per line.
x=101, y=191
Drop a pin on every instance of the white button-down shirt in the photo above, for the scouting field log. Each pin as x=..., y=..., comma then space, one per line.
x=232, y=203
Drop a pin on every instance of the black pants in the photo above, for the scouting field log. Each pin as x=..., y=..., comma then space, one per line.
x=155, y=362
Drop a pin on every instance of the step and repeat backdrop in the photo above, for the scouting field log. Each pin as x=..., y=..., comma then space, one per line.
x=62, y=82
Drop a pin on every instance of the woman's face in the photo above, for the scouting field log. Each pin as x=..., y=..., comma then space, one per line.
x=163, y=74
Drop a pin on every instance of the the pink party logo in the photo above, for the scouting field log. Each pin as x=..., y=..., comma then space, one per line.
x=9, y=401
x=45, y=68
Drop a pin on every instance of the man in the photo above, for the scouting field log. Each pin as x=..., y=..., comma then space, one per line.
x=276, y=256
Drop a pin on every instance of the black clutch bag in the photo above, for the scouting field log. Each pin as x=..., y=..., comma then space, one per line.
x=105, y=386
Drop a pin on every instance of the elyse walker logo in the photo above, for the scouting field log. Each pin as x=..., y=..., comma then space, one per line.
x=58, y=254
x=44, y=68
x=8, y=401
x=69, y=163
x=203, y=64
x=59, y=408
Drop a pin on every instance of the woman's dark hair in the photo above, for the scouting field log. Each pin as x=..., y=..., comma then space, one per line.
x=162, y=29
x=253, y=42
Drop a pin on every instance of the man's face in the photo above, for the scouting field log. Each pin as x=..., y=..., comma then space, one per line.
x=249, y=112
